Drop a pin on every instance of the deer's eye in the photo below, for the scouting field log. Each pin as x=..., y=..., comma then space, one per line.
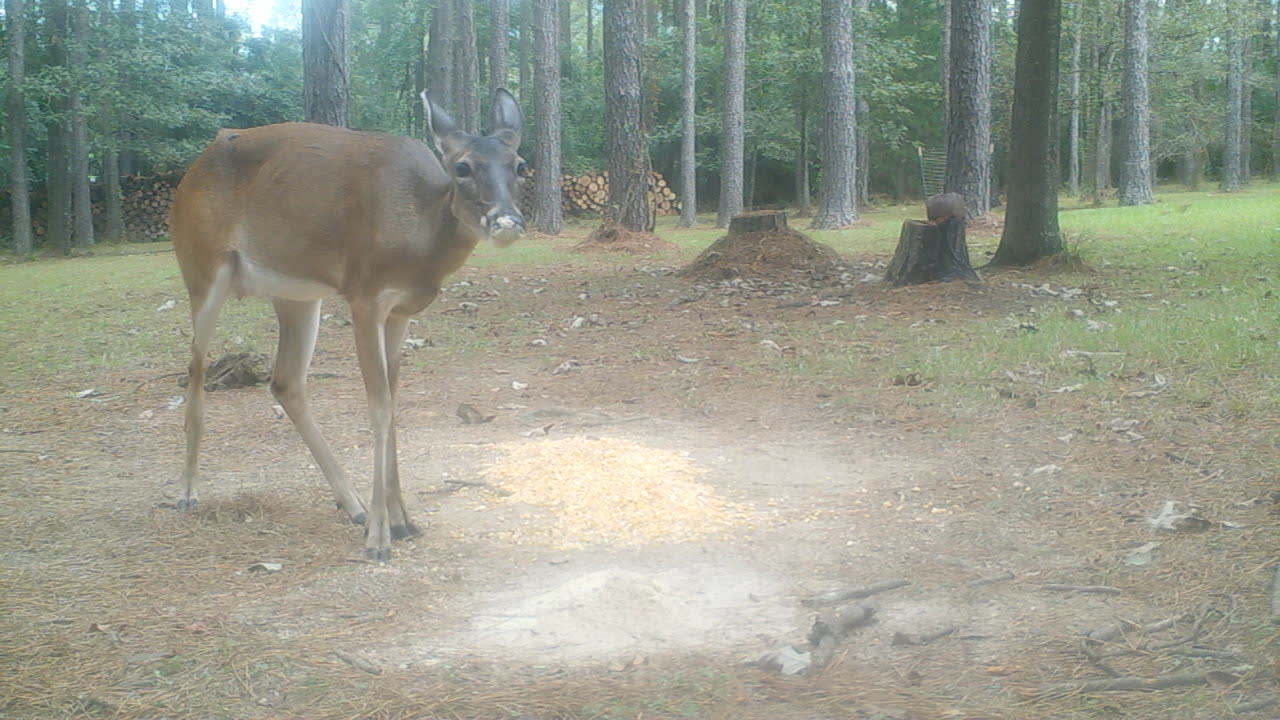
x=522, y=170
x=461, y=170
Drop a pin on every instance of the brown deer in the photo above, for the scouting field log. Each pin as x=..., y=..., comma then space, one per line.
x=299, y=212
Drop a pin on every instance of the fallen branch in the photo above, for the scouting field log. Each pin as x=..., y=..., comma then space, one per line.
x=357, y=662
x=1111, y=631
x=856, y=592
x=1125, y=683
x=1002, y=577
x=1257, y=703
x=1099, y=589
x=1275, y=592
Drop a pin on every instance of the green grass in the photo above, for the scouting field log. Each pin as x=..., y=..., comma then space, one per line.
x=1195, y=276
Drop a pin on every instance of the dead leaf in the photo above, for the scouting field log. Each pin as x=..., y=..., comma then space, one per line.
x=266, y=567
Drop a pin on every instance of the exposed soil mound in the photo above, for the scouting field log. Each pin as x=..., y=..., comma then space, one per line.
x=235, y=370
x=615, y=238
x=773, y=255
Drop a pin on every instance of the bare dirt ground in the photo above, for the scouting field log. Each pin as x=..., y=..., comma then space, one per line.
x=115, y=605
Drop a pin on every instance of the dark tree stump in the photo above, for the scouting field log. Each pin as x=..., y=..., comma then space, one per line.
x=931, y=251
x=769, y=222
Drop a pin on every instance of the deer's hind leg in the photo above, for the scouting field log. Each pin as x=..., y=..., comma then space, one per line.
x=299, y=324
x=206, y=304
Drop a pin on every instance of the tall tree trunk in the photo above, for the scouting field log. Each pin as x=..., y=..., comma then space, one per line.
x=547, y=212
x=466, y=71
x=1275, y=128
x=1246, y=114
x=1031, y=219
x=566, y=31
x=969, y=124
x=1231, y=165
x=58, y=168
x=946, y=69
x=732, y=111
x=81, y=204
x=499, y=27
x=837, y=193
x=625, y=142
x=1102, y=127
x=591, y=27
x=804, y=196
x=1073, y=169
x=864, y=155
x=1136, y=187
x=525, y=51
x=688, y=113
x=325, y=61
x=440, y=55
x=113, y=220
x=19, y=184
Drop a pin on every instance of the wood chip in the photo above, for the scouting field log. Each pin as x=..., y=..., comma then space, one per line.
x=607, y=490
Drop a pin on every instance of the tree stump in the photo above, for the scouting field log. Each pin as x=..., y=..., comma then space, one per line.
x=931, y=251
x=767, y=222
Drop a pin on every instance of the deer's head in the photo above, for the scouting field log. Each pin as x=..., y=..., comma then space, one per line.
x=485, y=168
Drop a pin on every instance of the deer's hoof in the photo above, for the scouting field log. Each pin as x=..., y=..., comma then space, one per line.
x=186, y=504
x=408, y=530
x=378, y=554
x=358, y=519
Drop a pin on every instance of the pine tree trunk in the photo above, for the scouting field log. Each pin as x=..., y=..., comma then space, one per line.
x=732, y=111
x=547, y=212
x=81, y=203
x=969, y=124
x=837, y=192
x=1275, y=128
x=625, y=142
x=525, y=51
x=466, y=75
x=1231, y=165
x=1246, y=115
x=1073, y=160
x=113, y=223
x=1031, y=219
x=945, y=59
x=863, y=172
x=325, y=61
x=804, y=196
x=440, y=56
x=58, y=169
x=1135, y=118
x=19, y=183
x=566, y=31
x=418, y=114
x=688, y=101
x=499, y=26
x=591, y=27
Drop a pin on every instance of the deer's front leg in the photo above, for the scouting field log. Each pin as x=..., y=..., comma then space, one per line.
x=401, y=526
x=370, y=325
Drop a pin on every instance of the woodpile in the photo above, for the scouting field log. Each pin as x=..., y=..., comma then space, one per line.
x=146, y=207
x=588, y=193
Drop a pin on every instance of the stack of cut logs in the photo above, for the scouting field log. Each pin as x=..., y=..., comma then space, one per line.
x=588, y=193
x=146, y=207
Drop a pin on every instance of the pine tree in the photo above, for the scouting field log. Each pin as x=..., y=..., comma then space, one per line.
x=625, y=142
x=547, y=212
x=732, y=122
x=1135, y=118
x=326, y=65
x=837, y=191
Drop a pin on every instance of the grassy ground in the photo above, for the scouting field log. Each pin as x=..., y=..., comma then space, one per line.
x=1168, y=316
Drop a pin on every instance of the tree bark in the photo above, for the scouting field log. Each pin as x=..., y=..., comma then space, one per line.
x=946, y=69
x=688, y=104
x=1073, y=160
x=81, y=203
x=566, y=31
x=1246, y=114
x=1275, y=131
x=625, y=142
x=1031, y=219
x=440, y=56
x=57, y=171
x=499, y=27
x=804, y=195
x=969, y=123
x=1102, y=128
x=525, y=51
x=19, y=183
x=1135, y=117
x=1231, y=180
x=466, y=75
x=591, y=26
x=837, y=192
x=547, y=212
x=325, y=61
x=732, y=111
x=864, y=155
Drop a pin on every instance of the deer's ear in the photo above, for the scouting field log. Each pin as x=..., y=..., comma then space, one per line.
x=505, y=120
x=449, y=138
